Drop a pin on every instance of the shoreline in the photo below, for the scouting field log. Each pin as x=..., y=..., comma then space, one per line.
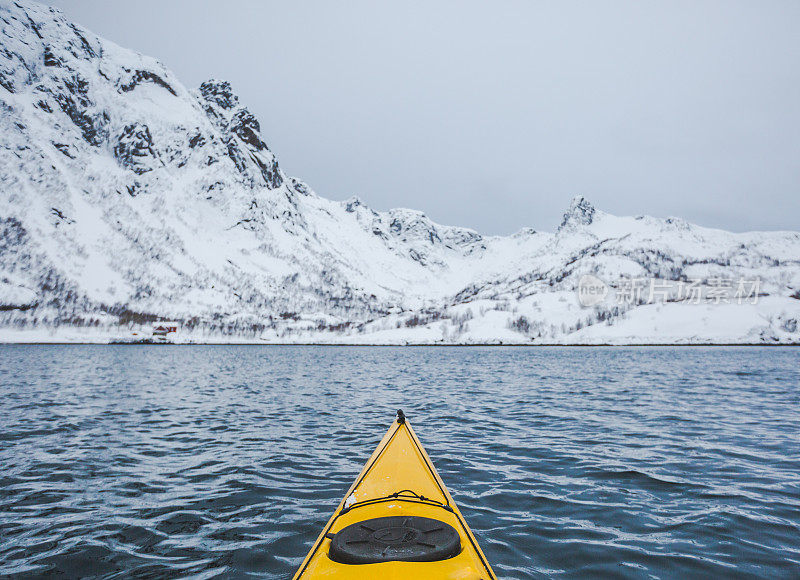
x=413, y=345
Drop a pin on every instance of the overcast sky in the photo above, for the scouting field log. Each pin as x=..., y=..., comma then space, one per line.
x=493, y=115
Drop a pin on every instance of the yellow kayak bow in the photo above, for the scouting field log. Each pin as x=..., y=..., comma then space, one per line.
x=397, y=521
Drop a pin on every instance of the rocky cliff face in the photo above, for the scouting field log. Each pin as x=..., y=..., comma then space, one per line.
x=126, y=198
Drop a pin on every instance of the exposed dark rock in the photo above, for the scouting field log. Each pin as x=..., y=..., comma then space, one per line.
x=269, y=171
x=33, y=25
x=50, y=59
x=87, y=47
x=6, y=82
x=75, y=103
x=133, y=146
x=580, y=212
x=93, y=127
x=134, y=189
x=220, y=93
x=146, y=76
x=197, y=140
x=60, y=215
x=78, y=86
x=20, y=307
x=64, y=148
x=236, y=155
x=300, y=187
x=245, y=126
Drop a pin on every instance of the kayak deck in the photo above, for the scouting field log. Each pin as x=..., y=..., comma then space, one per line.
x=399, y=482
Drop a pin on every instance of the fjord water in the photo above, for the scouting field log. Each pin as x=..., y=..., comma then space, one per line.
x=566, y=462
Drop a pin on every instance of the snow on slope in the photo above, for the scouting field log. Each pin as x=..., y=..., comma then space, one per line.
x=127, y=198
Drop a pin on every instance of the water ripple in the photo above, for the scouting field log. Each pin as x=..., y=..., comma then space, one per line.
x=567, y=462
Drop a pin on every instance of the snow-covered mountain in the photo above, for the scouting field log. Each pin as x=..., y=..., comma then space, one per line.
x=126, y=198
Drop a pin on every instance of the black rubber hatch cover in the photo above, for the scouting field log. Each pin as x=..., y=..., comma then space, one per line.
x=395, y=539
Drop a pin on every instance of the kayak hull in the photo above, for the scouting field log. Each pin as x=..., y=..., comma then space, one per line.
x=397, y=480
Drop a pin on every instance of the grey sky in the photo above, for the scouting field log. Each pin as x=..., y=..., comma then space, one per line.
x=493, y=115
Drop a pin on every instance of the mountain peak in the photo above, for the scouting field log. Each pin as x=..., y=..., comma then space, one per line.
x=220, y=93
x=580, y=212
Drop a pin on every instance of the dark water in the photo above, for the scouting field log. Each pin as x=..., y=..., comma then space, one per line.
x=567, y=462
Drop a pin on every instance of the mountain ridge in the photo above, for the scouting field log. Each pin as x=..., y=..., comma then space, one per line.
x=126, y=198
